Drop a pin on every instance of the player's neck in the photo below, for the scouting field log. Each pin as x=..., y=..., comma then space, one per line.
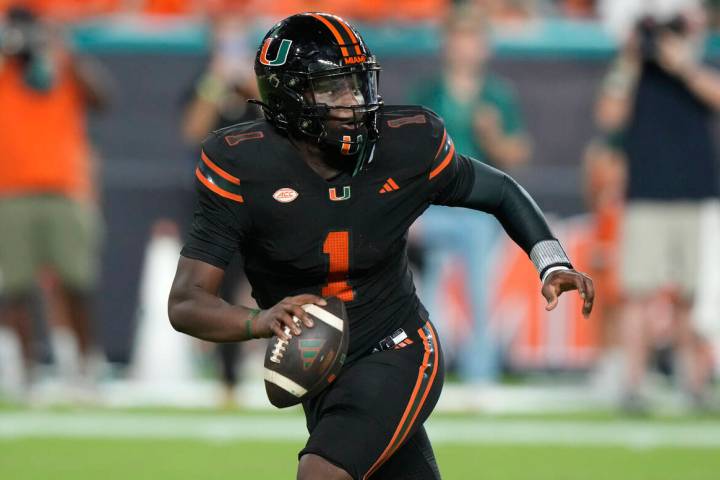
x=313, y=157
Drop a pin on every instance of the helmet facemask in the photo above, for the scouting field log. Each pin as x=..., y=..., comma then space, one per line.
x=340, y=112
x=318, y=82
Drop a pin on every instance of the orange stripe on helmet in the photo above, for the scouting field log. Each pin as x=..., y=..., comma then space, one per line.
x=353, y=38
x=335, y=33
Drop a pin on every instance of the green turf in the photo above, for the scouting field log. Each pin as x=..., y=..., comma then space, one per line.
x=594, y=415
x=64, y=459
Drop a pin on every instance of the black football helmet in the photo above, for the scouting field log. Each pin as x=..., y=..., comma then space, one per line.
x=318, y=81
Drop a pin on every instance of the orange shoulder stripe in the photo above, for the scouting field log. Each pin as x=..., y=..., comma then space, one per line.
x=442, y=144
x=446, y=161
x=219, y=170
x=334, y=32
x=216, y=189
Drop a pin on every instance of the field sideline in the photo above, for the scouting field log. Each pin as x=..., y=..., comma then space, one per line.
x=108, y=444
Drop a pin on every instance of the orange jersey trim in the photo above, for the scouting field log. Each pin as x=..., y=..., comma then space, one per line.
x=216, y=189
x=444, y=163
x=219, y=170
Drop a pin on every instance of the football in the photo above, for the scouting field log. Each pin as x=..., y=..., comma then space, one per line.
x=303, y=366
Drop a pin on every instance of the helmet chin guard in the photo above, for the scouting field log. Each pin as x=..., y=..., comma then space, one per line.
x=318, y=82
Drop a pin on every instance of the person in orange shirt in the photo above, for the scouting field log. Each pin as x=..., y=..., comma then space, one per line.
x=48, y=219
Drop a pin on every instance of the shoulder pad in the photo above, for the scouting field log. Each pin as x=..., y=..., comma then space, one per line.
x=399, y=116
x=219, y=167
x=412, y=135
x=231, y=146
x=234, y=135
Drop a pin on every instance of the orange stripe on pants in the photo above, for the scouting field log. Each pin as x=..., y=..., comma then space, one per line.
x=392, y=446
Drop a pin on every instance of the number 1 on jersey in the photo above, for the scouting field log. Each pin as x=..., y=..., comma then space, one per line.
x=337, y=248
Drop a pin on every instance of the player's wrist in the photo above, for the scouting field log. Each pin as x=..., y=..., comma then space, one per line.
x=549, y=256
x=544, y=276
x=250, y=323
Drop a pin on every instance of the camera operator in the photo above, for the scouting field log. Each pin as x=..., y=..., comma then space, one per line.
x=661, y=99
x=48, y=213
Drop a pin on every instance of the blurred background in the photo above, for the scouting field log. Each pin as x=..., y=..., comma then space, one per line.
x=604, y=110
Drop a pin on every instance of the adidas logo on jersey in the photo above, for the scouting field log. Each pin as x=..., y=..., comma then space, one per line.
x=390, y=186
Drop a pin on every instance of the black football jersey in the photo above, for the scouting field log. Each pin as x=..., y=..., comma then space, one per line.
x=345, y=237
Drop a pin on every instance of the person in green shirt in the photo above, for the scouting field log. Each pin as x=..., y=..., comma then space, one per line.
x=482, y=116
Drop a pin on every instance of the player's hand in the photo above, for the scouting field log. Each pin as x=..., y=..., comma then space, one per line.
x=274, y=320
x=675, y=54
x=561, y=281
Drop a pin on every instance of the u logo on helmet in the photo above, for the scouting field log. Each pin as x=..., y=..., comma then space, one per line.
x=281, y=56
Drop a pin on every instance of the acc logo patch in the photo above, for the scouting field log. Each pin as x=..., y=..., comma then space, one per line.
x=285, y=195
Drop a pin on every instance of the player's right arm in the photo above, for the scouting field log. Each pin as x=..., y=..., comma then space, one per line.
x=194, y=308
x=219, y=226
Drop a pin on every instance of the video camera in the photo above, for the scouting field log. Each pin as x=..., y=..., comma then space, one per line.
x=22, y=35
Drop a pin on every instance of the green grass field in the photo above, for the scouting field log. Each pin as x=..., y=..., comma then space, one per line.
x=112, y=445
x=114, y=459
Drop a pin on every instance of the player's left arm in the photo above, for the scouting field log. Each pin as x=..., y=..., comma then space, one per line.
x=465, y=182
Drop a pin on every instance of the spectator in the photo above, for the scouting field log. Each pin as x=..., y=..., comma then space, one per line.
x=664, y=99
x=605, y=179
x=482, y=115
x=48, y=209
x=219, y=99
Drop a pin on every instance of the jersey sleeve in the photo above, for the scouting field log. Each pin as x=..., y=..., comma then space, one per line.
x=460, y=181
x=445, y=176
x=220, y=220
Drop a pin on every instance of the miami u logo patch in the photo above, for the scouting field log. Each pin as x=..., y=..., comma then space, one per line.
x=281, y=56
x=309, y=350
x=345, y=194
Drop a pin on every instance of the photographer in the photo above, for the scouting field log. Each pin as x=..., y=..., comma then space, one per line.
x=48, y=211
x=660, y=99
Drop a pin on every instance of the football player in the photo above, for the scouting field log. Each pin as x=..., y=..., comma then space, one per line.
x=318, y=197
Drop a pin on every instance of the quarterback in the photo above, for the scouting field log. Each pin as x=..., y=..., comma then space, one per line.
x=318, y=198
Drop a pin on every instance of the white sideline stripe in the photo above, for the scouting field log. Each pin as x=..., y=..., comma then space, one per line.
x=284, y=383
x=285, y=427
x=325, y=316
